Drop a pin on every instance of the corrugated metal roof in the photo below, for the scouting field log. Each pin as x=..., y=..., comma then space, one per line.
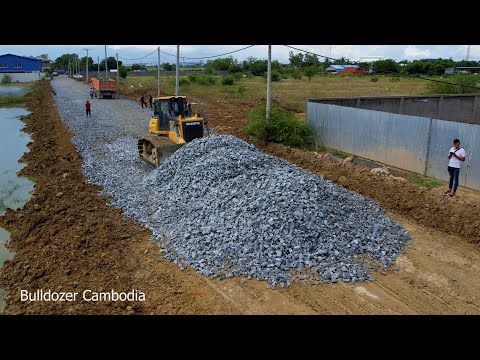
x=341, y=67
x=25, y=57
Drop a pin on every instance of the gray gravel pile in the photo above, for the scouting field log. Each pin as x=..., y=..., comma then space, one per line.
x=226, y=209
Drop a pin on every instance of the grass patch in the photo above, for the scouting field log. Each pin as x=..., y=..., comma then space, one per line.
x=283, y=127
x=425, y=182
x=463, y=79
x=289, y=93
x=10, y=100
x=11, y=230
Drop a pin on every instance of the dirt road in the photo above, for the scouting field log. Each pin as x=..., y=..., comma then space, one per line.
x=67, y=238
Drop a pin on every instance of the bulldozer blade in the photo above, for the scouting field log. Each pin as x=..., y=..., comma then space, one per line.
x=155, y=150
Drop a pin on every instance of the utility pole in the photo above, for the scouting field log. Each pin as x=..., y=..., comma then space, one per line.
x=106, y=65
x=269, y=81
x=158, y=72
x=118, y=71
x=86, y=62
x=98, y=63
x=177, y=80
x=68, y=68
x=468, y=53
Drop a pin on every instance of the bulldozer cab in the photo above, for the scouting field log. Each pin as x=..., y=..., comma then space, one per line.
x=165, y=107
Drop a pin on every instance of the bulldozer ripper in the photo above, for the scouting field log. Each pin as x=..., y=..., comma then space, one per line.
x=86, y=295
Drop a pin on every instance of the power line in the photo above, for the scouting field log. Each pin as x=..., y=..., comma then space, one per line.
x=392, y=72
x=213, y=56
x=193, y=58
x=143, y=57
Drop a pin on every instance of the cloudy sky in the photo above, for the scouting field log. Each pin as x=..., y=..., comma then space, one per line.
x=279, y=52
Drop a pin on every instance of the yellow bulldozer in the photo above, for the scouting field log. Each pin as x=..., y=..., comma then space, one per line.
x=174, y=125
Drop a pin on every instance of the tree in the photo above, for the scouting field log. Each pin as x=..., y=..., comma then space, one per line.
x=295, y=60
x=111, y=62
x=310, y=72
x=62, y=61
x=138, y=67
x=168, y=67
x=91, y=65
x=221, y=63
x=310, y=60
x=122, y=72
x=387, y=65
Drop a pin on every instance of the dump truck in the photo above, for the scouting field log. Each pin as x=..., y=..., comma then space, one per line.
x=104, y=89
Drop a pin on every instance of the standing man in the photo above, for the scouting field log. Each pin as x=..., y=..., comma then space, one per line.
x=150, y=100
x=87, y=109
x=91, y=93
x=142, y=101
x=456, y=156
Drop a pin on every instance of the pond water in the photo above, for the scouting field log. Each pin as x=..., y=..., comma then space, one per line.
x=12, y=90
x=14, y=191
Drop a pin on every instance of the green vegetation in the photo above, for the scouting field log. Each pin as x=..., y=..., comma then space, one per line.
x=6, y=79
x=374, y=79
x=288, y=93
x=426, y=182
x=228, y=80
x=206, y=80
x=122, y=72
x=183, y=81
x=11, y=100
x=283, y=127
x=464, y=79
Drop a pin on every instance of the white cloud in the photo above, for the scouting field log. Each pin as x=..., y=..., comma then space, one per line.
x=413, y=52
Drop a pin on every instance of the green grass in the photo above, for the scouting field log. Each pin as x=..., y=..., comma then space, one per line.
x=11, y=100
x=290, y=94
x=425, y=182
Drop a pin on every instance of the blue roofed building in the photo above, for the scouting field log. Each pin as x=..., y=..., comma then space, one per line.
x=337, y=68
x=20, y=68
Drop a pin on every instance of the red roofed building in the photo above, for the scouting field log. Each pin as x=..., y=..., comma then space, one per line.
x=349, y=71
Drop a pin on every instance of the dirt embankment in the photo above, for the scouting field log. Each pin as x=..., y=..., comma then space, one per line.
x=67, y=239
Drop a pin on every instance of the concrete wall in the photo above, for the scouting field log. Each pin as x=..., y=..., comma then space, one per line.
x=413, y=143
x=458, y=108
x=25, y=77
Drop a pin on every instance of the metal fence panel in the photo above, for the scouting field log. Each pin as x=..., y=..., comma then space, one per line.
x=397, y=140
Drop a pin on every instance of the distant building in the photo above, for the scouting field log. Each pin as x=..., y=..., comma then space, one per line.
x=352, y=71
x=462, y=70
x=21, y=68
x=46, y=62
x=337, y=68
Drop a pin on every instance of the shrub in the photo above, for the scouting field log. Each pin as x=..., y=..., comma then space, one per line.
x=122, y=72
x=209, y=71
x=283, y=127
x=6, y=79
x=192, y=78
x=374, y=79
x=183, y=81
x=276, y=76
x=237, y=76
x=228, y=80
x=395, y=78
x=206, y=80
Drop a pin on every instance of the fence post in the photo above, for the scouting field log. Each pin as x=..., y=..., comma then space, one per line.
x=428, y=146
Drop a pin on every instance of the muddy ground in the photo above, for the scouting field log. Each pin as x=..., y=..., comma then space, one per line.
x=67, y=239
